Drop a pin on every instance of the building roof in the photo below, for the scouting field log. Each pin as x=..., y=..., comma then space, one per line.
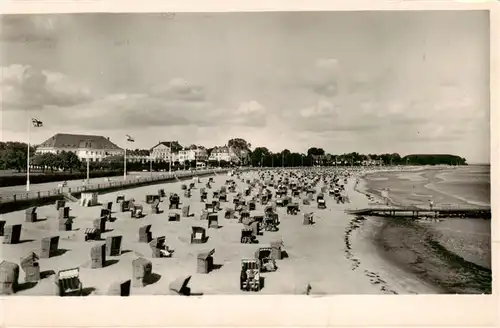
x=223, y=149
x=64, y=140
x=169, y=144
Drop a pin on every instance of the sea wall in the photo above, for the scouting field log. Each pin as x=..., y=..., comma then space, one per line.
x=18, y=202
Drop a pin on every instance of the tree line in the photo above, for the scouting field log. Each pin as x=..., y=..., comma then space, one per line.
x=13, y=155
x=261, y=156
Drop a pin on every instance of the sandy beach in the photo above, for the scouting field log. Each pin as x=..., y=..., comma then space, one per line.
x=340, y=254
x=316, y=253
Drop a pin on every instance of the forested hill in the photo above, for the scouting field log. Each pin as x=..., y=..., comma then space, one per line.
x=433, y=159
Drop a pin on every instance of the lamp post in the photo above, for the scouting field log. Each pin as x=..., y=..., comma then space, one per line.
x=170, y=159
x=150, y=165
x=88, y=144
x=37, y=124
x=88, y=171
x=28, y=162
x=125, y=164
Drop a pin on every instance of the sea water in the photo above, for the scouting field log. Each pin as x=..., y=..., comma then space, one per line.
x=455, y=244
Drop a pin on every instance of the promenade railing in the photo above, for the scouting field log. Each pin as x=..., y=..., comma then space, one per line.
x=96, y=186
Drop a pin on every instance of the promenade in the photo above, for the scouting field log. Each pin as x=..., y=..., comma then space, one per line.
x=8, y=194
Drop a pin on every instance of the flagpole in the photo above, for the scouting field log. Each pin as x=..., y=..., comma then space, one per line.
x=125, y=164
x=28, y=157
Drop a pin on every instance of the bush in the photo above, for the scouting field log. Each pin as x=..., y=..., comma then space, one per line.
x=18, y=180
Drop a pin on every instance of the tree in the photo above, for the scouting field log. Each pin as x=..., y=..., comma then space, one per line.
x=239, y=143
x=259, y=155
x=51, y=161
x=70, y=161
x=14, y=155
x=38, y=160
x=242, y=149
x=315, y=151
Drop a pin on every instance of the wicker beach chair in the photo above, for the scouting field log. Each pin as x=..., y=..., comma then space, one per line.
x=174, y=201
x=205, y=261
x=68, y=282
x=92, y=234
x=180, y=286
x=31, y=215
x=136, y=212
x=159, y=249
x=31, y=267
x=250, y=275
x=198, y=235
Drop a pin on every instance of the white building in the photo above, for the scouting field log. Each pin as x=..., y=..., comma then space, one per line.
x=224, y=154
x=164, y=151
x=93, y=148
x=192, y=154
x=141, y=156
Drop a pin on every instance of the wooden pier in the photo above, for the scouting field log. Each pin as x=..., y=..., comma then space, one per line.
x=416, y=212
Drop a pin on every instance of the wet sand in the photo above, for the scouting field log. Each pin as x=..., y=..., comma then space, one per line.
x=453, y=255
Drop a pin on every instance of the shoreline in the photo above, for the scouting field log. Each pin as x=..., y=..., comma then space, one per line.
x=379, y=269
x=423, y=252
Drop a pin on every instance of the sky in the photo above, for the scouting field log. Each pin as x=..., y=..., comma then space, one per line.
x=369, y=82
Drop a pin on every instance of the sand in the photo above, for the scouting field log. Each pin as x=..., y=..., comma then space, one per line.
x=319, y=255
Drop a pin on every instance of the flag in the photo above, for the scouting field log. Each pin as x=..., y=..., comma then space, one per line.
x=36, y=123
x=129, y=138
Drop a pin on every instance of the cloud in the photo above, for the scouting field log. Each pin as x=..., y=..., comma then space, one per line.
x=179, y=89
x=323, y=108
x=387, y=103
x=327, y=115
x=250, y=113
x=323, y=77
x=137, y=110
x=33, y=29
x=26, y=87
x=65, y=103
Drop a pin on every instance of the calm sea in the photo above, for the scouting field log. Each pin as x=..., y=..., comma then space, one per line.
x=466, y=240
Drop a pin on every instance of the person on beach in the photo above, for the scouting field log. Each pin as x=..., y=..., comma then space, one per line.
x=61, y=186
x=431, y=204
